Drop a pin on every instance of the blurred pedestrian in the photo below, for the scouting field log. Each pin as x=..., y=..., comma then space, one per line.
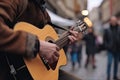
x=76, y=52
x=118, y=20
x=111, y=42
x=90, y=40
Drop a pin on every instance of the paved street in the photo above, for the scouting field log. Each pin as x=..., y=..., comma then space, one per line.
x=88, y=73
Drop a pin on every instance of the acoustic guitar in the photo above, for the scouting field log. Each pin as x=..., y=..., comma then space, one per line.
x=37, y=68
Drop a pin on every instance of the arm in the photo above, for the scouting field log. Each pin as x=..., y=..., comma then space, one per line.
x=18, y=42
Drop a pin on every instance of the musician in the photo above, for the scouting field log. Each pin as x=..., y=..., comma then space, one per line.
x=22, y=43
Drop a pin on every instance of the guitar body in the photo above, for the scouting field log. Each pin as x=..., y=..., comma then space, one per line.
x=36, y=68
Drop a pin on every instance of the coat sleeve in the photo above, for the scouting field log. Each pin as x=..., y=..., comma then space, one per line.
x=16, y=42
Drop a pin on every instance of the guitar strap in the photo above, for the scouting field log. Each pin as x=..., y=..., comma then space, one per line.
x=11, y=67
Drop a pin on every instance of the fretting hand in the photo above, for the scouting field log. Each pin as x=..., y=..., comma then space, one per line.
x=74, y=36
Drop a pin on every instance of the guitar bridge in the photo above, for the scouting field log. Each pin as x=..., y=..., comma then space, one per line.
x=45, y=63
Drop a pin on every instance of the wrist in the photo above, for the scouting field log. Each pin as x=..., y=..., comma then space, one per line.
x=37, y=48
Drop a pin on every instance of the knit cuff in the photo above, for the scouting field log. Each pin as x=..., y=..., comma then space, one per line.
x=32, y=46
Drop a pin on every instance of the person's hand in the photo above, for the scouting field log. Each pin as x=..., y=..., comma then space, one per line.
x=49, y=51
x=74, y=36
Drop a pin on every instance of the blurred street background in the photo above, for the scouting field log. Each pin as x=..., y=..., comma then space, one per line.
x=93, y=63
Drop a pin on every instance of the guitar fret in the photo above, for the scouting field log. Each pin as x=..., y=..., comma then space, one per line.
x=62, y=41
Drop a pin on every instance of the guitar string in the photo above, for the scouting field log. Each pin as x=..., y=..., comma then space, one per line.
x=62, y=41
x=62, y=38
x=59, y=43
x=65, y=38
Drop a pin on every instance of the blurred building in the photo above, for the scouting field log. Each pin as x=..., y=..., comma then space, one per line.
x=69, y=9
x=101, y=15
x=94, y=16
x=109, y=8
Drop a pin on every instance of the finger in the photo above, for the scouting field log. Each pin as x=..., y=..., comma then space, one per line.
x=55, y=58
x=57, y=54
x=54, y=63
x=51, y=60
x=57, y=48
x=72, y=38
x=74, y=33
x=71, y=28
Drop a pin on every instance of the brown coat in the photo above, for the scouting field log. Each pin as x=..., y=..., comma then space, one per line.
x=9, y=9
x=17, y=42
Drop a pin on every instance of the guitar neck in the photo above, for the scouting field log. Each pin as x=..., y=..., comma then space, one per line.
x=63, y=40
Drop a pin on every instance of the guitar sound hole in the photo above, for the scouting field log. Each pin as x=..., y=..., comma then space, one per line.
x=50, y=41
